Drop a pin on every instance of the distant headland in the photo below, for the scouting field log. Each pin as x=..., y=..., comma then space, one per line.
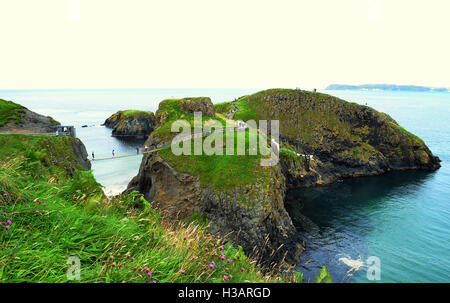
x=388, y=87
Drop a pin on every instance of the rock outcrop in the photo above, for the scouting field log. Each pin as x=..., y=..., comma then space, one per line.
x=131, y=124
x=199, y=104
x=24, y=121
x=252, y=216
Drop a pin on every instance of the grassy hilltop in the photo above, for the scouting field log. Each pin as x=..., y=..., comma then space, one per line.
x=334, y=129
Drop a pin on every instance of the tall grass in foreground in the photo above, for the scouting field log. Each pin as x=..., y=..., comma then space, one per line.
x=122, y=240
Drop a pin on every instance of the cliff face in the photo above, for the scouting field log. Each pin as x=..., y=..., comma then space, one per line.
x=345, y=139
x=81, y=154
x=131, y=124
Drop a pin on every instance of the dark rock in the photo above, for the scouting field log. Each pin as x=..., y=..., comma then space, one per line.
x=131, y=124
x=81, y=154
x=203, y=105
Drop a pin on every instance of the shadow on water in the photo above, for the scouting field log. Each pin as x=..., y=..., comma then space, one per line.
x=334, y=220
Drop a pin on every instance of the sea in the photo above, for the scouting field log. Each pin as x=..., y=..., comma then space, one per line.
x=391, y=228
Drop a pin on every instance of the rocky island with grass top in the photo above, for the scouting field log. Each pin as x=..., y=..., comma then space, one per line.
x=323, y=139
x=131, y=124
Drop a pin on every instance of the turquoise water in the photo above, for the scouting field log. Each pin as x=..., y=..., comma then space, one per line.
x=402, y=218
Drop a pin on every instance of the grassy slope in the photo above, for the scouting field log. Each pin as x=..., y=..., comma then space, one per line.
x=75, y=219
x=10, y=111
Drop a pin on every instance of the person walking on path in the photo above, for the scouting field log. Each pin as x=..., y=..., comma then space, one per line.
x=113, y=153
x=137, y=150
x=93, y=156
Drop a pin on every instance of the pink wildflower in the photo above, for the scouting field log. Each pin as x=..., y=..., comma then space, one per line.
x=182, y=271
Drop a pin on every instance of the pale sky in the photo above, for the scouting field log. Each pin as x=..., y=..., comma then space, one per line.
x=226, y=43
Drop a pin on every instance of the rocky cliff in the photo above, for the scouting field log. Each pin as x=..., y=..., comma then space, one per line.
x=131, y=124
x=15, y=118
x=80, y=153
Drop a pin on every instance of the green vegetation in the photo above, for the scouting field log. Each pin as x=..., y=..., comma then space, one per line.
x=54, y=210
x=169, y=112
x=10, y=111
x=222, y=171
x=320, y=122
x=324, y=276
x=135, y=112
x=304, y=121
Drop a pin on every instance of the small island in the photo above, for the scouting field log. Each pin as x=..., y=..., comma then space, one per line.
x=387, y=87
x=131, y=124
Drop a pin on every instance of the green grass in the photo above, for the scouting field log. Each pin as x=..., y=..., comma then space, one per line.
x=135, y=112
x=222, y=171
x=113, y=239
x=10, y=111
x=171, y=111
